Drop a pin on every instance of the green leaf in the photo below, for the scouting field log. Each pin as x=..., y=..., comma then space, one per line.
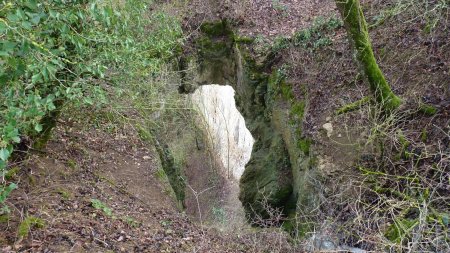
x=4, y=154
x=5, y=191
x=12, y=17
x=51, y=106
x=16, y=139
x=3, y=26
x=36, y=19
x=36, y=78
x=7, y=47
x=31, y=4
x=38, y=127
x=27, y=25
x=445, y=219
x=97, y=204
x=2, y=165
x=88, y=101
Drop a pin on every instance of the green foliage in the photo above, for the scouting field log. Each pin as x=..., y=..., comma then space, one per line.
x=216, y=29
x=286, y=91
x=55, y=52
x=298, y=110
x=424, y=135
x=275, y=82
x=243, y=39
x=26, y=225
x=72, y=164
x=404, y=144
x=428, y=110
x=65, y=194
x=318, y=35
x=4, y=193
x=99, y=205
x=4, y=218
x=219, y=214
x=130, y=221
x=400, y=228
x=12, y=173
x=304, y=145
x=280, y=43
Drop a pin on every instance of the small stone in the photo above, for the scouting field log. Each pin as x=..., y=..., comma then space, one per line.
x=328, y=119
x=329, y=128
x=339, y=135
x=120, y=239
x=146, y=157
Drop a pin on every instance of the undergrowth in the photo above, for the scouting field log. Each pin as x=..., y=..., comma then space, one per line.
x=400, y=188
x=124, y=49
x=316, y=36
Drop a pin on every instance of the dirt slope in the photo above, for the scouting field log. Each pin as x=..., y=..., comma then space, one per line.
x=259, y=18
x=82, y=164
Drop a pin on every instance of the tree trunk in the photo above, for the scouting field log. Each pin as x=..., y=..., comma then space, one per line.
x=356, y=27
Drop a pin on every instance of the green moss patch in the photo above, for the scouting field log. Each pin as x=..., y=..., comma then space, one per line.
x=400, y=229
x=428, y=110
x=10, y=174
x=219, y=28
x=267, y=180
x=26, y=225
x=353, y=106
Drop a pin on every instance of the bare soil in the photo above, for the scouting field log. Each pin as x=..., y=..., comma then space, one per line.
x=85, y=162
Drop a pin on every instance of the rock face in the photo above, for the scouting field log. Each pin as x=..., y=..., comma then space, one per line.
x=276, y=175
x=227, y=132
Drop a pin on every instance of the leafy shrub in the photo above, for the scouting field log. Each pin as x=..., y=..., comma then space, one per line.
x=55, y=52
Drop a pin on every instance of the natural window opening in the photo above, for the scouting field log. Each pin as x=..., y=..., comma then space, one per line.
x=228, y=135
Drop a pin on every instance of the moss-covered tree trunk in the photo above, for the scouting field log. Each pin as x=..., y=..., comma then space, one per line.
x=356, y=27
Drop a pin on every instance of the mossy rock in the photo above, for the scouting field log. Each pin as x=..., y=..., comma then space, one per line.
x=215, y=29
x=267, y=180
x=243, y=40
x=174, y=172
x=215, y=55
